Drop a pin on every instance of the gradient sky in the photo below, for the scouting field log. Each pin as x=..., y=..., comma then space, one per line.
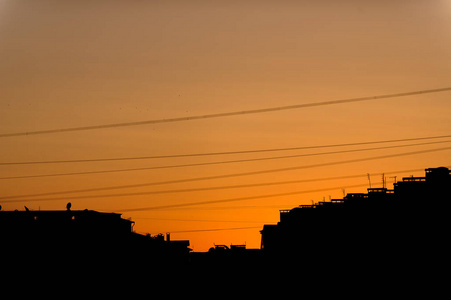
x=81, y=63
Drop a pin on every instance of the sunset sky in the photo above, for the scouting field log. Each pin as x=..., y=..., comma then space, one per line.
x=66, y=64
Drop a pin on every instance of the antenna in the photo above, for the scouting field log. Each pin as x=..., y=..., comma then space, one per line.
x=383, y=180
x=369, y=179
x=394, y=177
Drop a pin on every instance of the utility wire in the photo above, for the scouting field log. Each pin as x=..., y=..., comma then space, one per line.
x=223, y=187
x=215, y=229
x=217, y=162
x=265, y=196
x=226, y=114
x=172, y=191
x=222, y=153
x=226, y=175
x=211, y=229
x=197, y=220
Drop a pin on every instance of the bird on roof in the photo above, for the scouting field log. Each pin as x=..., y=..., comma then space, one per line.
x=68, y=206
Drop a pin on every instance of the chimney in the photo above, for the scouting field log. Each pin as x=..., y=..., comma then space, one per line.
x=168, y=237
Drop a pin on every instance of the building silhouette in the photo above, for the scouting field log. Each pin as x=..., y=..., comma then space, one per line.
x=84, y=236
x=406, y=224
x=404, y=227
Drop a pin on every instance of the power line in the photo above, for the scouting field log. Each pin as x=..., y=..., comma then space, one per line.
x=265, y=196
x=198, y=220
x=223, y=153
x=189, y=190
x=227, y=175
x=227, y=114
x=172, y=191
x=224, y=176
x=215, y=229
x=216, y=162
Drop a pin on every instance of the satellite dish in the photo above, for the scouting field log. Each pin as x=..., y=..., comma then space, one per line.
x=68, y=206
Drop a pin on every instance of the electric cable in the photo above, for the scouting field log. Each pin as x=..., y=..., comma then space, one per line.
x=226, y=114
x=228, y=175
x=223, y=187
x=221, y=153
x=216, y=162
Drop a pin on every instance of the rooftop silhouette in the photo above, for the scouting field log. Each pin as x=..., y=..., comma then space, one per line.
x=85, y=236
x=380, y=226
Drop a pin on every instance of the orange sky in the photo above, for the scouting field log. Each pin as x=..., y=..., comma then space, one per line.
x=81, y=63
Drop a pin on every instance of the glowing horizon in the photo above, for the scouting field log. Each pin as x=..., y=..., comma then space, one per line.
x=75, y=65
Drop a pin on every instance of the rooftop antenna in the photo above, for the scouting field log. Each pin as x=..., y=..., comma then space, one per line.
x=383, y=180
x=394, y=177
x=369, y=179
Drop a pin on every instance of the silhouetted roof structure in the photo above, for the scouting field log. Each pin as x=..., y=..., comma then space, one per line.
x=67, y=223
x=85, y=235
x=366, y=224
